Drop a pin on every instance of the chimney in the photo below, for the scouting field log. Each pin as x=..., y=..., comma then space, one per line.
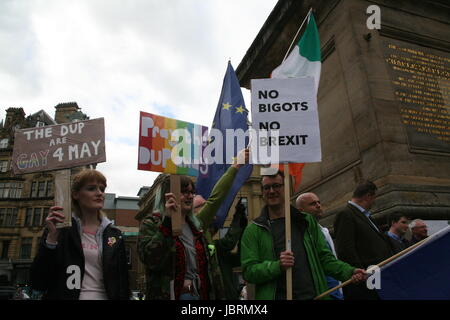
x=64, y=111
x=14, y=115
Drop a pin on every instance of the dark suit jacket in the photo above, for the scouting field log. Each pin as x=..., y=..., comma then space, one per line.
x=397, y=246
x=357, y=241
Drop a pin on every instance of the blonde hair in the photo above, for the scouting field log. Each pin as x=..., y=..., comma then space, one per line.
x=80, y=180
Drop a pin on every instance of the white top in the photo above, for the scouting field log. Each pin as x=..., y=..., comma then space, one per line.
x=92, y=287
x=326, y=233
x=328, y=238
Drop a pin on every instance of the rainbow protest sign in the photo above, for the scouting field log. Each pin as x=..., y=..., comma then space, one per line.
x=169, y=145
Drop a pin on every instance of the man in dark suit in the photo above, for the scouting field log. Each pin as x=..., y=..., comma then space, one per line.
x=359, y=241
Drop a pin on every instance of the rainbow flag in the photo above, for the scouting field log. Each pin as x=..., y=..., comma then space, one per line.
x=169, y=145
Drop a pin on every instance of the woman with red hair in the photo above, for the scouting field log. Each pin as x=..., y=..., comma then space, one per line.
x=86, y=261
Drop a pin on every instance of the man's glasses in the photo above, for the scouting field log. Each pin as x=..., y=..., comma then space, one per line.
x=275, y=187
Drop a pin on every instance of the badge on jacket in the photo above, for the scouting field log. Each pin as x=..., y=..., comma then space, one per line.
x=111, y=241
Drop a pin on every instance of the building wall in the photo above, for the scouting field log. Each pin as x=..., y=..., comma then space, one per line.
x=364, y=131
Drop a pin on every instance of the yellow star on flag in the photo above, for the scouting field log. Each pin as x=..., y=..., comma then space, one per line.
x=226, y=106
x=240, y=109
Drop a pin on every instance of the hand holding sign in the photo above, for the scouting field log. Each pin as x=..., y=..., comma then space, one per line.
x=171, y=204
x=242, y=158
x=54, y=217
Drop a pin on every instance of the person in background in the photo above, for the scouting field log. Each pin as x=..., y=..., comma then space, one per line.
x=310, y=203
x=222, y=255
x=86, y=261
x=396, y=233
x=243, y=295
x=359, y=241
x=419, y=231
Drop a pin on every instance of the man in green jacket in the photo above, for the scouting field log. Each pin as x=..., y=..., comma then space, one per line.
x=264, y=258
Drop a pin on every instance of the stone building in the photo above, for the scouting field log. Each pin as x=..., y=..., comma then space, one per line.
x=383, y=100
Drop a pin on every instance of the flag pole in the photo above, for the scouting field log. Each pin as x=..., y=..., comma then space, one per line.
x=298, y=31
x=287, y=219
x=378, y=265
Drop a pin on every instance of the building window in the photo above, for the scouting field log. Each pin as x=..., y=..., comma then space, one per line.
x=37, y=217
x=4, y=190
x=28, y=217
x=49, y=188
x=4, y=143
x=16, y=190
x=44, y=215
x=11, y=189
x=5, y=249
x=33, y=190
x=3, y=165
x=25, y=248
x=43, y=188
x=2, y=216
x=8, y=217
x=13, y=217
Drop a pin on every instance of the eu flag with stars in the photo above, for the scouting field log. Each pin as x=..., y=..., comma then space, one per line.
x=230, y=114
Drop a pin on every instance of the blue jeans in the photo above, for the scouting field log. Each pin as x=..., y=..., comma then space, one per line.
x=189, y=296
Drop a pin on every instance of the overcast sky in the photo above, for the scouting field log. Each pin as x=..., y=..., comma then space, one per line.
x=116, y=58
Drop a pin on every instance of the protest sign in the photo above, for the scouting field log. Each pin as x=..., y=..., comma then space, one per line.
x=284, y=114
x=59, y=146
x=170, y=146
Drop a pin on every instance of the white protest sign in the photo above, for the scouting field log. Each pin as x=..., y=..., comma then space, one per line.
x=287, y=110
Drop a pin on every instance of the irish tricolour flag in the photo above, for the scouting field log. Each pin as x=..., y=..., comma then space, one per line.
x=304, y=60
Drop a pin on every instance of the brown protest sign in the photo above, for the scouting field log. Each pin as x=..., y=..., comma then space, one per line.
x=60, y=146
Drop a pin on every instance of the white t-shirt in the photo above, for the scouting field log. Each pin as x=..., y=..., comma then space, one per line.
x=92, y=287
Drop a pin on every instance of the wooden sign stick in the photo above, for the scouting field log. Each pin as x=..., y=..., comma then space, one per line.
x=63, y=196
x=175, y=188
x=287, y=217
x=378, y=265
